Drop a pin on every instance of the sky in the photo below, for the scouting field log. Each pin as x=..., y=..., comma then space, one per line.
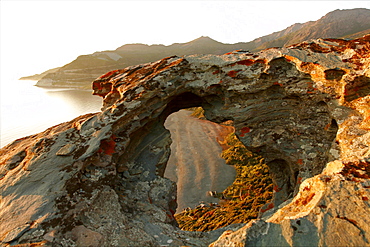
x=40, y=35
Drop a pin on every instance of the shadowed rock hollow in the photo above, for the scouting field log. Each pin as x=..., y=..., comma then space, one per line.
x=98, y=179
x=195, y=163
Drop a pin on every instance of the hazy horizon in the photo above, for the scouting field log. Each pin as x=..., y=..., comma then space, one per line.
x=41, y=35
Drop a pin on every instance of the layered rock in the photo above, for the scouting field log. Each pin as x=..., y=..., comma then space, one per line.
x=98, y=179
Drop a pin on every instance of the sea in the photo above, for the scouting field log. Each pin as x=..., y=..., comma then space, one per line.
x=27, y=109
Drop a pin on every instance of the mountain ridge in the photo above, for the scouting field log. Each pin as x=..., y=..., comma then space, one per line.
x=335, y=24
x=349, y=23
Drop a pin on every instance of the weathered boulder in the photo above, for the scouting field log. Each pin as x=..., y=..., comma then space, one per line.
x=98, y=179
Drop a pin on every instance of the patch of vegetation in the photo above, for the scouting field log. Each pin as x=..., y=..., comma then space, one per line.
x=198, y=112
x=241, y=201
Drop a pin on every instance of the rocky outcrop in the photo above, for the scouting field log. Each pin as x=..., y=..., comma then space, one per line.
x=98, y=179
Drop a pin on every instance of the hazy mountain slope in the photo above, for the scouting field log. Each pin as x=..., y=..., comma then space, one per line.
x=259, y=42
x=86, y=68
x=37, y=77
x=350, y=24
x=357, y=35
x=336, y=24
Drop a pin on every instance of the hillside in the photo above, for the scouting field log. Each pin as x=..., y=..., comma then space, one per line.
x=37, y=77
x=353, y=23
x=350, y=24
x=86, y=68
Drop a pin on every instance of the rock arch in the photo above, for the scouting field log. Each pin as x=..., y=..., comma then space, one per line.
x=288, y=104
x=274, y=106
x=274, y=114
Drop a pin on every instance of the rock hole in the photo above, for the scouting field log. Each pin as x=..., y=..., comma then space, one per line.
x=359, y=87
x=334, y=74
x=195, y=163
x=283, y=179
x=210, y=193
x=333, y=126
x=150, y=150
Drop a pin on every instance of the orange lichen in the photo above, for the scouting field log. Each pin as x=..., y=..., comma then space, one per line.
x=289, y=58
x=278, y=84
x=110, y=74
x=276, y=188
x=269, y=206
x=300, y=162
x=232, y=73
x=150, y=71
x=306, y=200
x=107, y=146
x=246, y=62
x=244, y=131
x=327, y=126
x=306, y=188
x=249, y=62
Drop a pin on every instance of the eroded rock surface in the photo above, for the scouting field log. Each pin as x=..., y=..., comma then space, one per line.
x=98, y=179
x=195, y=163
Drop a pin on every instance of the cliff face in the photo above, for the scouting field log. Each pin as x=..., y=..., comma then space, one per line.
x=98, y=179
x=353, y=23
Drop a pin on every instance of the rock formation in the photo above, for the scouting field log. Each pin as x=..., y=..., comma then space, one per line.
x=98, y=179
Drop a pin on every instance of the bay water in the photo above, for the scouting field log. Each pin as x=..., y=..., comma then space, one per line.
x=27, y=109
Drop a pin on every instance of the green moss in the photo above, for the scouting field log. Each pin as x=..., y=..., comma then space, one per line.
x=241, y=201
